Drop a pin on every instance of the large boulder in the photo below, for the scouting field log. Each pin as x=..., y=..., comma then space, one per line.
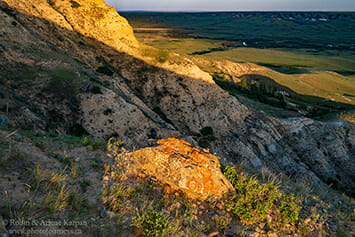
x=183, y=167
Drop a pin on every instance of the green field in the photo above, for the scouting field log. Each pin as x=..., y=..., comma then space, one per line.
x=310, y=30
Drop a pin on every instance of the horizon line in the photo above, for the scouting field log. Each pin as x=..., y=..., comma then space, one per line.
x=221, y=11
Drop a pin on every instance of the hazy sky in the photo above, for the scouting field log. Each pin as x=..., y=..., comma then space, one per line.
x=232, y=5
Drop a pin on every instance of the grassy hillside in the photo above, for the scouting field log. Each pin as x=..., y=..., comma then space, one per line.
x=74, y=180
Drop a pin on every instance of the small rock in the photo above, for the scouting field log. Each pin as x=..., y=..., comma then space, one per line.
x=213, y=234
x=229, y=233
x=3, y=121
x=137, y=231
x=141, y=175
x=103, y=213
x=97, y=160
x=168, y=189
x=219, y=206
x=202, y=207
x=272, y=234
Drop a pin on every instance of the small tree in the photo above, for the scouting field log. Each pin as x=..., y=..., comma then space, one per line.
x=243, y=82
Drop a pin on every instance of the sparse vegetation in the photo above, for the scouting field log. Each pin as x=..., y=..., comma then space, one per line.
x=56, y=201
x=105, y=70
x=153, y=222
x=205, y=131
x=222, y=221
x=74, y=4
x=63, y=83
x=142, y=200
x=159, y=55
x=96, y=90
x=94, y=143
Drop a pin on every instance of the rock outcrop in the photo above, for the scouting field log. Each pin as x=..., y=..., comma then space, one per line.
x=182, y=167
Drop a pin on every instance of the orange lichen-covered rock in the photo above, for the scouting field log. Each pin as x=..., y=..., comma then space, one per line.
x=184, y=167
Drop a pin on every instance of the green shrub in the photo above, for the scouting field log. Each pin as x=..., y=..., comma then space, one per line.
x=50, y=2
x=205, y=131
x=153, y=223
x=162, y=56
x=113, y=195
x=85, y=141
x=289, y=209
x=114, y=145
x=84, y=184
x=222, y=222
x=96, y=144
x=62, y=83
x=253, y=201
x=96, y=90
x=77, y=130
x=105, y=70
x=74, y=4
x=56, y=201
x=159, y=55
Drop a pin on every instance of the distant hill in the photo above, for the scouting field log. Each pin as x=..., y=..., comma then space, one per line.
x=317, y=30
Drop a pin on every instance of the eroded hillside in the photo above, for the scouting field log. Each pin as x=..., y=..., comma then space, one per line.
x=74, y=67
x=137, y=100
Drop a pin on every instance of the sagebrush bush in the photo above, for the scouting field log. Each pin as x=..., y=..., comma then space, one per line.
x=153, y=222
x=254, y=201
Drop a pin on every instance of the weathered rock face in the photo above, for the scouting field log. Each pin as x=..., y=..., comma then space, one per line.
x=123, y=116
x=97, y=20
x=183, y=167
x=54, y=89
x=91, y=18
x=304, y=149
